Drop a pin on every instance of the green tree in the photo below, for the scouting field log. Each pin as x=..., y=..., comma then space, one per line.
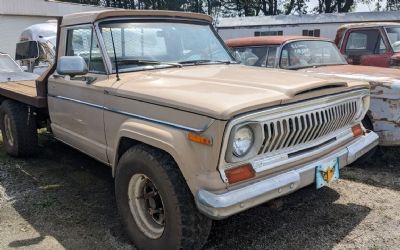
x=393, y=5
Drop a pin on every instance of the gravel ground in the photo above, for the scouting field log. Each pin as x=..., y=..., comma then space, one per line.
x=62, y=199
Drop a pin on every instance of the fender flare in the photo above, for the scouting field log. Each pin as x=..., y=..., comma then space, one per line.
x=157, y=136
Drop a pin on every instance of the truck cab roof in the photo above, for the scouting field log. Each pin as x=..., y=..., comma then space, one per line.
x=93, y=16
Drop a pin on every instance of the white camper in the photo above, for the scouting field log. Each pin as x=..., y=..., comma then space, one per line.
x=40, y=38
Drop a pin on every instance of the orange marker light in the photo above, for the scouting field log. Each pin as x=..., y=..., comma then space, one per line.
x=357, y=130
x=240, y=173
x=199, y=139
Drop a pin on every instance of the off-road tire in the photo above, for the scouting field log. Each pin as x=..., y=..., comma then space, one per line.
x=22, y=128
x=185, y=227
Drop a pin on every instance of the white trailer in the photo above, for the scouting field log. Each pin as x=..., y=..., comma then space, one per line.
x=319, y=25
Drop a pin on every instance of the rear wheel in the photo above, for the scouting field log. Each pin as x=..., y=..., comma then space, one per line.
x=18, y=128
x=155, y=202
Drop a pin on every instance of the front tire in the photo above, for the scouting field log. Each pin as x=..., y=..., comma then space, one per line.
x=18, y=128
x=155, y=202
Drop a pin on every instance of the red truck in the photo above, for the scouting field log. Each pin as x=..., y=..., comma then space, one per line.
x=370, y=44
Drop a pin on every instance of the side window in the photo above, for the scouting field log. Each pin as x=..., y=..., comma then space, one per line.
x=271, y=57
x=82, y=42
x=315, y=33
x=380, y=46
x=362, y=42
x=247, y=56
x=96, y=64
x=357, y=41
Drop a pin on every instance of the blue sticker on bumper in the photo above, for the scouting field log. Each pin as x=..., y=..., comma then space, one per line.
x=326, y=173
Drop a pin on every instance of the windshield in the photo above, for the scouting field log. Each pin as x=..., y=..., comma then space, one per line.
x=393, y=34
x=8, y=65
x=161, y=42
x=303, y=54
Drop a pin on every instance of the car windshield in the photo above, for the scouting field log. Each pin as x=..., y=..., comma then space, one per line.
x=393, y=34
x=304, y=54
x=8, y=65
x=139, y=45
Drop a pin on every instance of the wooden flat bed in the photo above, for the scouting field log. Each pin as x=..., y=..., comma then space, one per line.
x=23, y=91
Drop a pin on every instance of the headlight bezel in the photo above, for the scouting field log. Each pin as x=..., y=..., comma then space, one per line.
x=257, y=131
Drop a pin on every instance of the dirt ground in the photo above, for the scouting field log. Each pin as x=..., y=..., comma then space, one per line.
x=63, y=199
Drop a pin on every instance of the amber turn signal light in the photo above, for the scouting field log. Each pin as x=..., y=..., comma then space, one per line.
x=240, y=173
x=199, y=139
x=357, y=130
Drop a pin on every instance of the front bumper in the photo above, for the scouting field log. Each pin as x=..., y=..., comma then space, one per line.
x=222, y=205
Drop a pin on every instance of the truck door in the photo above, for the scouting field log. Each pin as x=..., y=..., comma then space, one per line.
x=76, y=103
x=367, y=47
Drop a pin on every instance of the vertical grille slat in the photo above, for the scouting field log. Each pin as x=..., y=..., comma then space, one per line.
x=306, y=127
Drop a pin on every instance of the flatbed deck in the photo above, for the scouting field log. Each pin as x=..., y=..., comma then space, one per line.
x=23, y=91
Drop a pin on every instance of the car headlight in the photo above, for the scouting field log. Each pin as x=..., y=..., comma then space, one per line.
x=243, y=140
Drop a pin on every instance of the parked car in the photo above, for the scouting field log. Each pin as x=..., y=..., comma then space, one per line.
x=10, y=71
x=370, y=44
x=190, y=135
x=318, y=55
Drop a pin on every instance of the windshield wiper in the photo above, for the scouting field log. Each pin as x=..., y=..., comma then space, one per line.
x=147, y=62
x=314, y=66
x=198, y=62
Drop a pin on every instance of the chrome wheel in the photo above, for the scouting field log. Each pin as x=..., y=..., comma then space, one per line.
x=146, y=206
x=7, y=130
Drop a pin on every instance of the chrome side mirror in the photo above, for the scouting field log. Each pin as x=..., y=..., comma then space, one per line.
x=72, y=66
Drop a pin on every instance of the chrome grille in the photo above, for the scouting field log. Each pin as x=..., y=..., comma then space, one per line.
x=300, y=129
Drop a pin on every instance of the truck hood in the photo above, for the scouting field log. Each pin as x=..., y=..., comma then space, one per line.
x=224, y=91
x=16, y=76
x=356, y=72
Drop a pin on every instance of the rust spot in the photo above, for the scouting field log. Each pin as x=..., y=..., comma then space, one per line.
x=374, y=85
x=396, y=124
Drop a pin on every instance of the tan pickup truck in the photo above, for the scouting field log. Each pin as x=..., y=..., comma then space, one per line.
x=190, y=135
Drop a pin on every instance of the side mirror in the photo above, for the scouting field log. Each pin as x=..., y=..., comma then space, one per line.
x=24, y=68
x=72, y=65
x=28, y=50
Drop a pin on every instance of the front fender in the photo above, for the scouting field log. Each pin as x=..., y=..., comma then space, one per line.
x=385, y=111
x=196, y=162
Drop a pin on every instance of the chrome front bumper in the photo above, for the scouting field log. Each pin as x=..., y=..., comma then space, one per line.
x=221, y=205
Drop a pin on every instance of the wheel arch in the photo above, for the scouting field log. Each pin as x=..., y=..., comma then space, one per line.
x=159, y=139
x=367, y=121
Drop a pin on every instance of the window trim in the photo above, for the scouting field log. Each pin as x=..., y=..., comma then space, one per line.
x=380, y=29
x=92, y=29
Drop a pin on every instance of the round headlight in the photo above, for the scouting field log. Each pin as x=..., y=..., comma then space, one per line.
x=243, y=139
